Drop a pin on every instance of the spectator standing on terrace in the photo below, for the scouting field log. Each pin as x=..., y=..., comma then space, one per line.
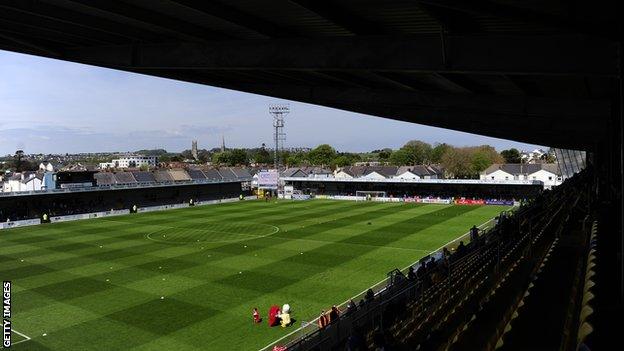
x=351, y=306
x=461, y=249
x=323, y=320
x=422, y=268
x=334, y=314
x=431, y=264
x=370, y=295
x=411, y=275
x=446, y=253
x=474, y=235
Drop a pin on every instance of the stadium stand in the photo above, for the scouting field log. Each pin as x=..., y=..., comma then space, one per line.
x=240, y=172
x=124, y=178
x=144, y=177
x=499, y=291
x=212, y=174
x=179, y=175
x=227, y=173
x=196, y=174
x=104, y=178
x=324, y=186
x=162, y=176
x=95, y=199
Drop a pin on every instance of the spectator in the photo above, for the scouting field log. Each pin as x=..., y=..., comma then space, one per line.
x=370, y=295
x=323, y=320
x=431, y=264
x=461, y=249
x=334, y=314
x=411, y=275
x=351, y=306
x=446, y=253
x=422, y=270
x=474, y=235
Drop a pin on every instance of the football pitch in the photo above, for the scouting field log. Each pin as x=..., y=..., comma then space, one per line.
x=188, y=279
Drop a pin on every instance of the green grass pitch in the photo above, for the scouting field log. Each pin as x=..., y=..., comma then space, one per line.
x=97, y=284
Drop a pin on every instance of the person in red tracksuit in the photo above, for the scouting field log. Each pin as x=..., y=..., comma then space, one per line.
x=323, y=320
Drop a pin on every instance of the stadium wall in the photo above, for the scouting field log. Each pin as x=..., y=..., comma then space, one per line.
x=34, y=206
x=456, y=189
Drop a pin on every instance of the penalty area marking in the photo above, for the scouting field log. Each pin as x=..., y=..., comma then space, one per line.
x=381, y=281
x=27, y=338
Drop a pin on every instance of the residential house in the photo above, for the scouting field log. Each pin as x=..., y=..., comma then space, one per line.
x=548, y=173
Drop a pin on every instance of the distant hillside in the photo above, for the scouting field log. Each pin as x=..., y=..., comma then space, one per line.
x=154, y=152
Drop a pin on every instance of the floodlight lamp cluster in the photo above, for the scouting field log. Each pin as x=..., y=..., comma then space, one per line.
x=280, y=109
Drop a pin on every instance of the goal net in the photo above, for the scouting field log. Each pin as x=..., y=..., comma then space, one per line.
x=369, y=195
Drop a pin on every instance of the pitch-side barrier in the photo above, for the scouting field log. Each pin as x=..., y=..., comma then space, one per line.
x=100, y=214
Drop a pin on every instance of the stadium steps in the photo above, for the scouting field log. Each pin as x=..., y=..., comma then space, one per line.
x=540, y=321
x=441, y=322
x=481, y=332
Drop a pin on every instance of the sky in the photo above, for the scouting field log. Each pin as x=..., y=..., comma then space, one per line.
x=52, y=106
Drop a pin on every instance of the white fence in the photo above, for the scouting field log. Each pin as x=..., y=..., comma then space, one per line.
x=88, y=215
x=387, y=199
x=23, y=223
x=75, y=217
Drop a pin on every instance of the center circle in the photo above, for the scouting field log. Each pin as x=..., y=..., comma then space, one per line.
x=212, y=232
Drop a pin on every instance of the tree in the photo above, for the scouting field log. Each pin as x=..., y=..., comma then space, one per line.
x=238, y=157
x=483, y=157
x=221, y=158
x=262, y=155
x=187, y=155
x=400, y=157
x=322, y=155
x=21, y=164
x=384, y=154
x=18, y=162
x=203, y=155
x=418, y=152
x=456, y=163
x=295, y=159
x=511, y=156
x=438, y=152
x=345, y=159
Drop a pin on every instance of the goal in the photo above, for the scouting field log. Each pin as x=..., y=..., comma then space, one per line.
x=368, y=195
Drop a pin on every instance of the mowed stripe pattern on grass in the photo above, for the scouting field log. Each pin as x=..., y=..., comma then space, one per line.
x=97, y=284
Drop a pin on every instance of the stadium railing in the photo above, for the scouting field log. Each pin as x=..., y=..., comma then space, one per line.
x=385, y=293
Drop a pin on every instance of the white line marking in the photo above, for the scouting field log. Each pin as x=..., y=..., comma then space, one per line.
x=381, y=281
x=21, y=334
x=340, y=243
x=250, y=236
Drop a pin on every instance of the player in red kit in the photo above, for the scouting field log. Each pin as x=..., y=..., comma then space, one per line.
x=256, y=316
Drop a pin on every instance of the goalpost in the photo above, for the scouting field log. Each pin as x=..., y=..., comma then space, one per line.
x=362, y=195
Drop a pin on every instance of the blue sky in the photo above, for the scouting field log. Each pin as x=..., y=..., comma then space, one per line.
x=52, y=106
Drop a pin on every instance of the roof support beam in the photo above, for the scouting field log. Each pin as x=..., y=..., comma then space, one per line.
x=547, y=55
x=77, y=20
x=483, y=7
x=237, y=17
x=153, y=19
x=332, y=12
